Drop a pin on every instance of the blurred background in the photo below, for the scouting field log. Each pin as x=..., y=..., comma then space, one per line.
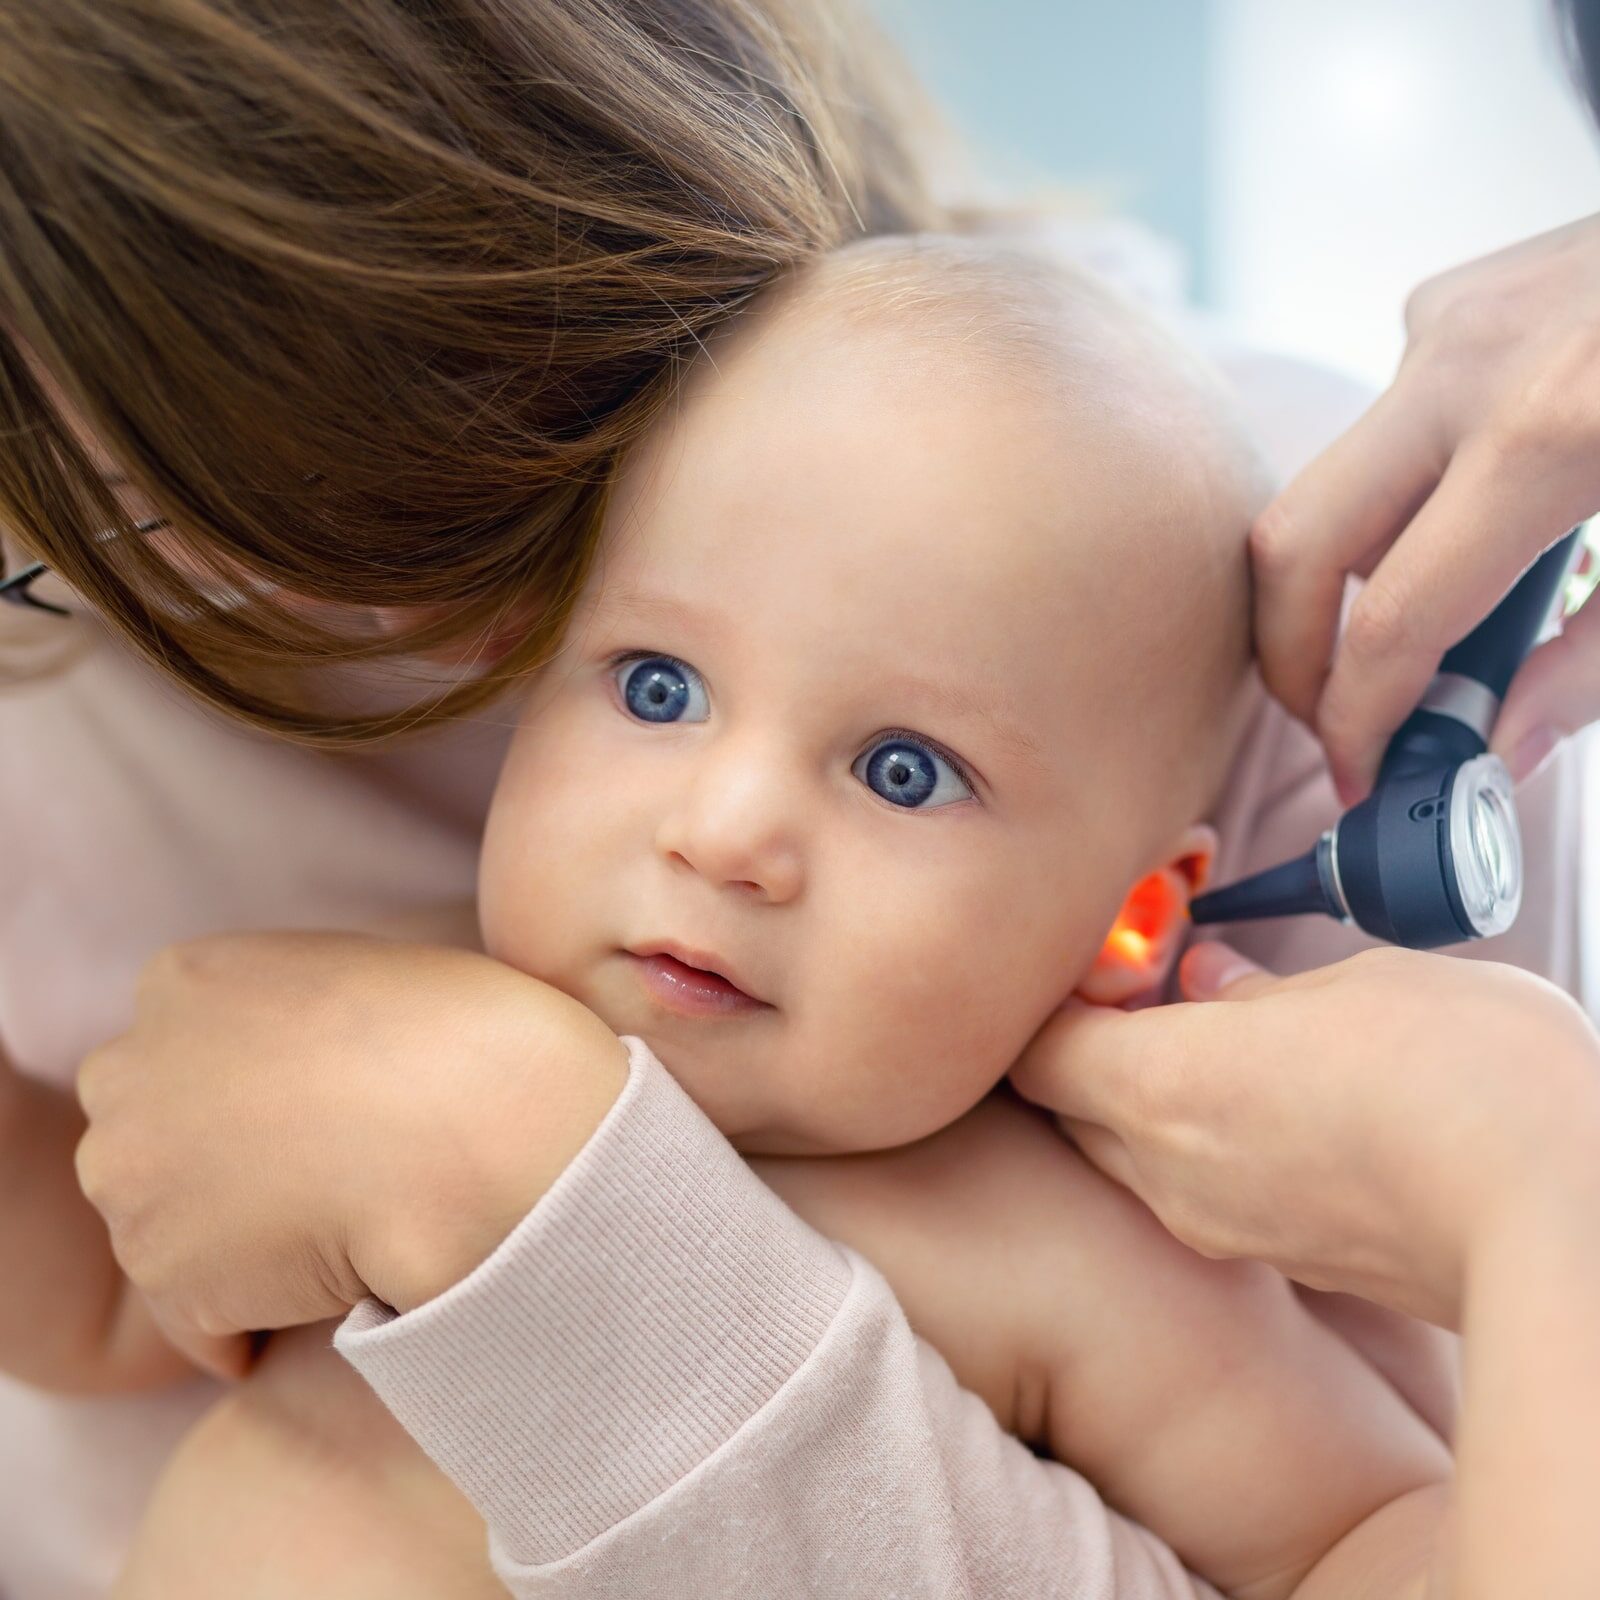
x=1309, y=161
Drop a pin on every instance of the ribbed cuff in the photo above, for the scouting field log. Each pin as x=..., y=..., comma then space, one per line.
x=651, y=1303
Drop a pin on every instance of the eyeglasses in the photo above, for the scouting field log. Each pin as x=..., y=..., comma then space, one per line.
x=18, y=590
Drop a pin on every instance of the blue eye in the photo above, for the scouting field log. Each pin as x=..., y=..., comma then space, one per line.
x=662, y=689
x=908, y=773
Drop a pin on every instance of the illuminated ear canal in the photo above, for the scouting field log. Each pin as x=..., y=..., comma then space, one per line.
x=1148, y=915
x=1145, y=937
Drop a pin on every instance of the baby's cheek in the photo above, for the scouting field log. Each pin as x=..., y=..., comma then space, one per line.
x=955, y=1008
x=537, y=856
x=936, y=1027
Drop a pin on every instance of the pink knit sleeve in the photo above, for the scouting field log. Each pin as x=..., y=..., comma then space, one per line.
x=664, y=1383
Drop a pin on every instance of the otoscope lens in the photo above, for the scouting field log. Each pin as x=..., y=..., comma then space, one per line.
x=1486, y=844
x=1488, y=834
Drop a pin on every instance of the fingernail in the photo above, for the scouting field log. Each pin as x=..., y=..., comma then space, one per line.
x=1532, y=756
x=1349, y=788
x=1211, y=966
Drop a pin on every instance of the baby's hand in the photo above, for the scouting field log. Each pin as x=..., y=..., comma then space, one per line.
x=254, y=1134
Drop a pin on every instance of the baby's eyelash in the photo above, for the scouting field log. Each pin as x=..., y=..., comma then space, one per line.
x=621, y=658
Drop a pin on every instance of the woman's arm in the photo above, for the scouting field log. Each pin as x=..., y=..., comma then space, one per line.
x=1199, y=1397
x=1529, y=1449
x=1419, y=1130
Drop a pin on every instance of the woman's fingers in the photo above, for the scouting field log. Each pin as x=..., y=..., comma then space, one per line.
x=1482, y=453
x=1083, y=1065
x=1461, y=554
x=1103, y=1149
x=1556, y=693
x=1212, y=970
x=1302, y=1126
x=1337, y=516
x=1080, y=1063
x=221, y=1151
x=1089, y=1063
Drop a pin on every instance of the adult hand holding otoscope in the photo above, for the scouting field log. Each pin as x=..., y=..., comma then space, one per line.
x=1453, y=498
x=1433, y=854
x=1480, y=455
x=1416, y=1130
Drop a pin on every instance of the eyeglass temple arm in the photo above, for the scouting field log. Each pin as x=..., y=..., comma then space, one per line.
x=17, y=590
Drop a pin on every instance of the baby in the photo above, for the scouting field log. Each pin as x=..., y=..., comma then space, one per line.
x=915, y=655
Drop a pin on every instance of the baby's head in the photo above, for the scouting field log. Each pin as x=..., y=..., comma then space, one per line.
x=914, y=653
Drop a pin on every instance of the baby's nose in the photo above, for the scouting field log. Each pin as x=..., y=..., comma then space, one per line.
x=737, y=825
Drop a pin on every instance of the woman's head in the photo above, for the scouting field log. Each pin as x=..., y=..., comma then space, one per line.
x=366, y=297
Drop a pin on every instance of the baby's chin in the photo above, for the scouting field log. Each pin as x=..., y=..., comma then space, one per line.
x=891, y=1132
x=744, y=1087
x=757, y=1083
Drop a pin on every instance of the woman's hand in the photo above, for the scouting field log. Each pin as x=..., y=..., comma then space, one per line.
x=297, y=1120
x=1361, y=1127
x=1482, y=453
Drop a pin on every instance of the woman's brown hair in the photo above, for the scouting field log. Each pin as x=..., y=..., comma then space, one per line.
x=367, y=296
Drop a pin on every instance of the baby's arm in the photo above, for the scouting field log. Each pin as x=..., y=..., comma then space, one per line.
x=1200, y=1397
x=69, y=1320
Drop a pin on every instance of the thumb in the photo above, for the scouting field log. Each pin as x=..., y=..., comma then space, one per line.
x=1557, y=692
x=1212, y=970
x=1103, y=1149
x=225, y=1356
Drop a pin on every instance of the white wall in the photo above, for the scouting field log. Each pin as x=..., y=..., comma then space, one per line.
x=1360, y=145
x=1108, y=95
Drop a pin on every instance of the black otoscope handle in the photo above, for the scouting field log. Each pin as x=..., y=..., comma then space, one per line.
x=1432, y=736
x=1494, y=650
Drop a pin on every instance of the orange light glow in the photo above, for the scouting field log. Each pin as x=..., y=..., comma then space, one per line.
x=1151, y=906
x=1139, y=935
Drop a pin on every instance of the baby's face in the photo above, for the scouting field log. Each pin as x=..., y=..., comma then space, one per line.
x=860, y=711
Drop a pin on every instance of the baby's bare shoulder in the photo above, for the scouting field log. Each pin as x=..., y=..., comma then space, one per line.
x=1003, y=1246
x=978, y=1154
x=999, y=1194
x=1198, y=1396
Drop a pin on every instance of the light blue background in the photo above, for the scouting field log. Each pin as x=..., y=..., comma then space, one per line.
x=1106, y=93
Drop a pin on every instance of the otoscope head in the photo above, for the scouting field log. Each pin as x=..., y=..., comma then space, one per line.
x=1432, y=856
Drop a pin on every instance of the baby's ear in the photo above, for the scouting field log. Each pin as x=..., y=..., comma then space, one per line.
x=1144, y=939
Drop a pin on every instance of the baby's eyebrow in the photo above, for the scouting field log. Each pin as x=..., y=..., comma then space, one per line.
x=655, y=610
x=978, y=699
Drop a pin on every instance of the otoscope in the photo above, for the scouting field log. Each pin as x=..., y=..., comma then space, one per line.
x=1434, y=854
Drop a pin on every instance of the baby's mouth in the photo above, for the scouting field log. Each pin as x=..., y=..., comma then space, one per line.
x=689, y=989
